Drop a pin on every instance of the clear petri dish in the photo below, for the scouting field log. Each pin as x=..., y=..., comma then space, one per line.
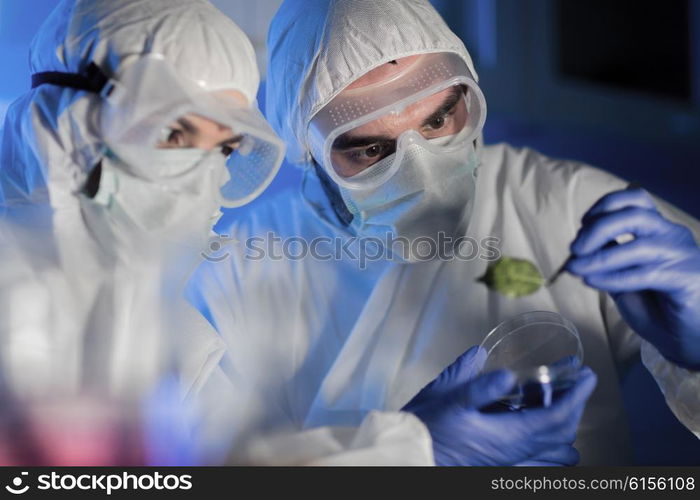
x=542, y=349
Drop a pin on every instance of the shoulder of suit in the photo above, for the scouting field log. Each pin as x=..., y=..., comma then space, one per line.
x=279, y=214
x=527, y=171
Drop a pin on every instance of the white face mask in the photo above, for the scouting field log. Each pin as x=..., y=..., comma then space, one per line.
x=129, y=208
x=430, y=193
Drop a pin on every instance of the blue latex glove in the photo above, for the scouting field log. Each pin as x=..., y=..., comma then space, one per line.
x=654, y=279
x=463, y=435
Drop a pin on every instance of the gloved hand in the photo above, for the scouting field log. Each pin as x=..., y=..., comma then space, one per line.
x=654, y=279
x=463, y=435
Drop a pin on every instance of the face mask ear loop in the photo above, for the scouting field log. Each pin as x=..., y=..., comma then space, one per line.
x=478, y=148
x=92, y=184
x=333, y=193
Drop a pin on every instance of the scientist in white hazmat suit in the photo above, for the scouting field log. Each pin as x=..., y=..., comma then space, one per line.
x=141, y=122
x=329, y=334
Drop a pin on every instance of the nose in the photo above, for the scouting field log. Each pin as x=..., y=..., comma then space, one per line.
x=409, y=137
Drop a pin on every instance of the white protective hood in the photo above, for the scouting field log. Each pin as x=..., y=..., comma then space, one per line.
x=51, y=134
x=94, y=313
x=330, y=47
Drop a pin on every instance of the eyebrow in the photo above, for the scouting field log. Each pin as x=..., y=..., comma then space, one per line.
x=187, y=125
x=191, y=129
x=234, y=139
x=347, y=141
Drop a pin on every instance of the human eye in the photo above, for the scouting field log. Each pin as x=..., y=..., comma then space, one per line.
x=373, y=151
x=172, y=137
x=444, y=117
x=369, y=155
x=230, y=146
x=441, y=120
x=228, y=149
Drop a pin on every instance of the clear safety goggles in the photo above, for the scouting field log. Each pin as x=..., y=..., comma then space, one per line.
x=361, y=136
x=149, y=106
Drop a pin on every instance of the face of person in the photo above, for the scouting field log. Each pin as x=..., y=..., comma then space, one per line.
x=439, y=115
x=196, y=131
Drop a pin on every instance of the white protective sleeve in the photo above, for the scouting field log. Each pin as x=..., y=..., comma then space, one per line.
x=227, y=414
x=383, y=438
x=680, y=387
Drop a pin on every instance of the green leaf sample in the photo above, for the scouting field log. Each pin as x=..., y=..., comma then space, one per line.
x=512, y=277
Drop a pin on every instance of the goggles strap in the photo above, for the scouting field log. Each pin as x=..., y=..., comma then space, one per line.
x=93, y=79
